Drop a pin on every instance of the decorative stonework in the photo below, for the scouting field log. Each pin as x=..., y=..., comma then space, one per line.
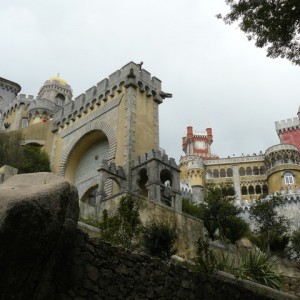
x=10, y=86
x=83, y=131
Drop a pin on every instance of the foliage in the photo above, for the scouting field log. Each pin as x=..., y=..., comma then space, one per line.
x=258, y=266
x=27, y=159
x=252, y=265
x=10, y=150
x=295, y=242
x=272, y=228
x=274, y=24
x=206, y=259
x=220, y=214
x=34, y=160
x=124, y=227
x=159, y=239
x=192, y=209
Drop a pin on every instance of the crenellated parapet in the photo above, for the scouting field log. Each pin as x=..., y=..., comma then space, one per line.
x=112, y=169
x=21, y=99
x=157, y=178
x=287, y=125
x=42, y=106
x=278, y=156
x=157, y=155
x=236, y=160
x=98, y=96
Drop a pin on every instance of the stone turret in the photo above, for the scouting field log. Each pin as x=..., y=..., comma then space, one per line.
x=283, y=168
x=8, y=93
x=57, y=90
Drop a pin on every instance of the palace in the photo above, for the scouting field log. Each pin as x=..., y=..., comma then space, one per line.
x=274, y=172
x=105, y=141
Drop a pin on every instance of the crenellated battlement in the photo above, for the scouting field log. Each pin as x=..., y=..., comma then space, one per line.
x=112, y=168
x=286, y=125
x=98, y=95
x=43, y=105
x=20, y=99
x=24, y=97
x=155, y=154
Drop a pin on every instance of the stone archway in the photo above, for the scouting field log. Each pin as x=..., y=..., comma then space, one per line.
x=78, y=135
x=86, y=157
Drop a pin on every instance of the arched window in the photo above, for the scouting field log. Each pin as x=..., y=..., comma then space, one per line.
x=216, y=173
x=255, y=171
x=288, y=178
x=242, y=171
x=60, y=99
x=222, y=173
x=262, y=170
x=258, y=189
x=248, y=171
x=209, y=174
x=244, y=190
x=265, y=189
x=229, y=172
x=251, y=190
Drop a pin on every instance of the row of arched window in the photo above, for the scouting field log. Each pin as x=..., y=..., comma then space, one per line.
x=216, y=173
x=252, y=190
x=252, y=171
x=219, y=173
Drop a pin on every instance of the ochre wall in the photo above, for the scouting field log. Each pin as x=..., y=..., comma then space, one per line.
x=276, y=180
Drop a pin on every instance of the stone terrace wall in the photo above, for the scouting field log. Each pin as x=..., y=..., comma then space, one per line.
x=101, y=271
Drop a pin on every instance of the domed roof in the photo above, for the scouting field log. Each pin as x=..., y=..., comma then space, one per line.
x=59, y=79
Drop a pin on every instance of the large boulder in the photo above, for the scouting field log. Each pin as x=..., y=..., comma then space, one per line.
x=38, y=226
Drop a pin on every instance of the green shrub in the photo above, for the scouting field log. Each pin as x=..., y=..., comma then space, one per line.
x=258, y=266
x=295, y=243
x=33, y=160
x=252, y=265
x=192, y=209
x=206, y=260
x=159, y=239
x=123, y=227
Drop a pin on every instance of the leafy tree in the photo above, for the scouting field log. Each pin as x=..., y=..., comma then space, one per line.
x=192, y=209
x=274, y=24
x=10, y=150
x=33, y=160
x=124, y=227
x=27, y=159
x=220, y=214
x=271, y=227
x=159, y=239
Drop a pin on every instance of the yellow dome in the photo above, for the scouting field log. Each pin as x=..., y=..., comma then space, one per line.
x=59, y=79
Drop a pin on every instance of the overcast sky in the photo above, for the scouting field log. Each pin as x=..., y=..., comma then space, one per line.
x=217, y=77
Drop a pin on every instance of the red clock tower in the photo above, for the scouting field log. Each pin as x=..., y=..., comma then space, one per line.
x=198, y=143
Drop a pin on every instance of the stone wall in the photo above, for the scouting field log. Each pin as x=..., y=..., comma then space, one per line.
x=43, y=256
x=188, y=228
x=105, y=272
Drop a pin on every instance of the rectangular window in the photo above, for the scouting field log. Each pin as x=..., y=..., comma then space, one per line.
x=24, y=122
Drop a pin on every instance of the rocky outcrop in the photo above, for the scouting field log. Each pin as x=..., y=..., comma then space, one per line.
x=43, y=256
x=38, y=221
